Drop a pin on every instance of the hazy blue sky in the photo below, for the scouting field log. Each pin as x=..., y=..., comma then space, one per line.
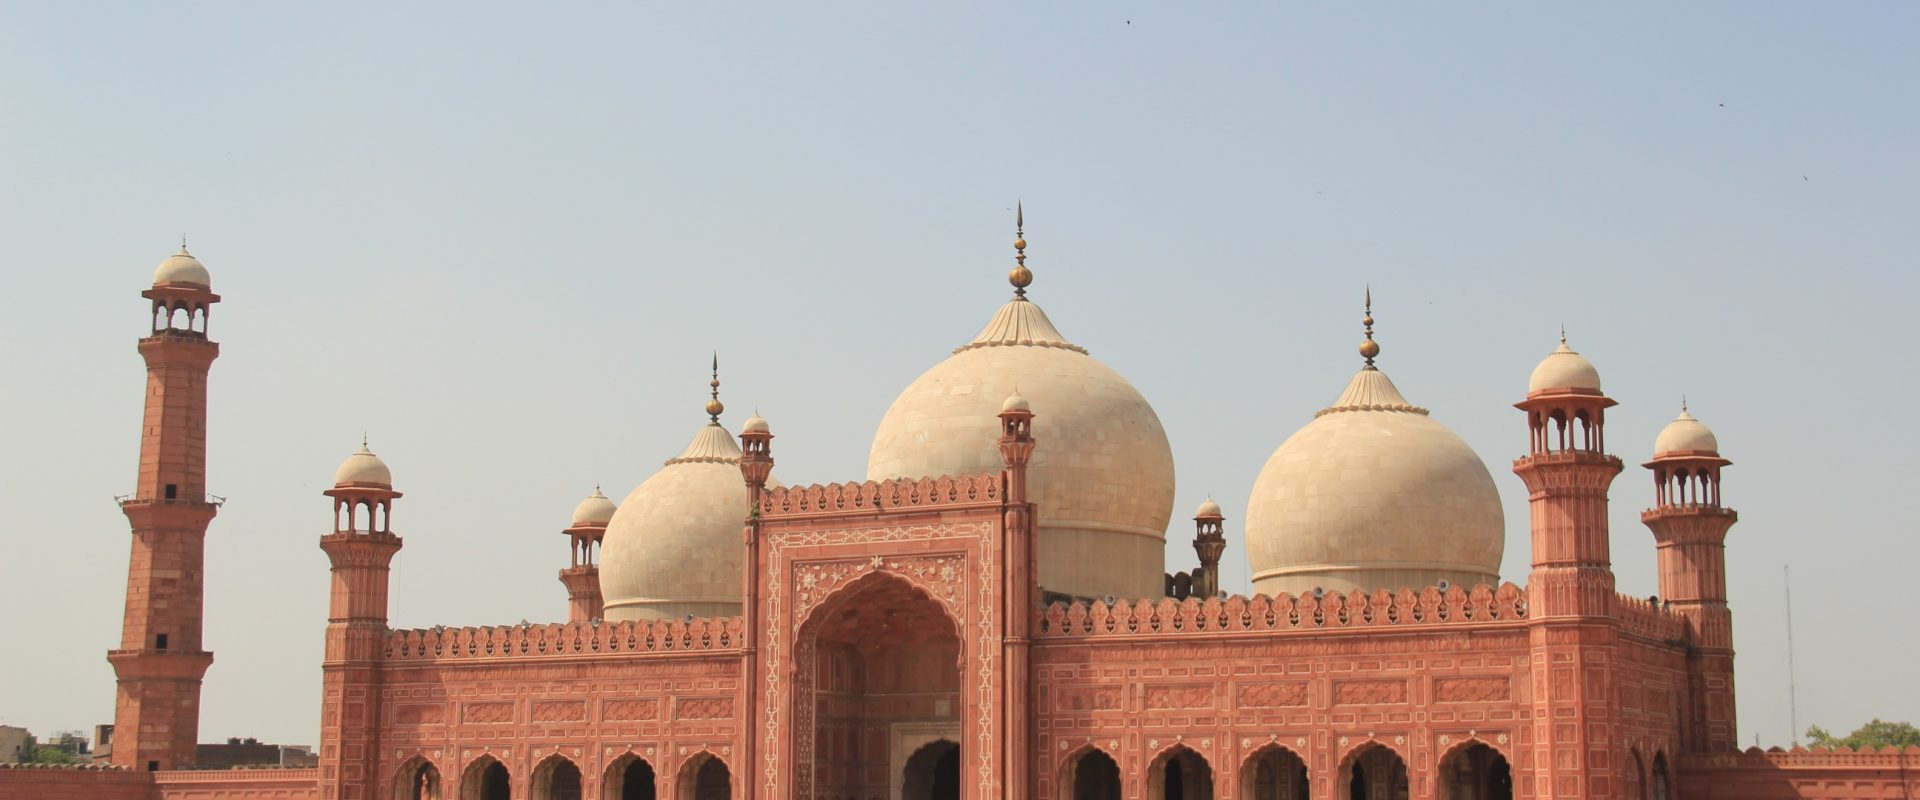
x=503, y=240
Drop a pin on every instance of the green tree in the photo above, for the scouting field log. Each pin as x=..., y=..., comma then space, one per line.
x=48, y=754
x=1875, y=734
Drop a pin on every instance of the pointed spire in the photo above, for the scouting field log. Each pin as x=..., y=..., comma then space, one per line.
x=1369, y=348
x=183, y=245
x=713, y=405
x=1563, y=334
x=1020, y=276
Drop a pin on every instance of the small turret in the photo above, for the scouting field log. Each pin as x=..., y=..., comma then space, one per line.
x=582, y=574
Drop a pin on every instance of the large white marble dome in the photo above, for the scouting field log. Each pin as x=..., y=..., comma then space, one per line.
x=1102, y=473
x=1373, y=494
x=673, y=546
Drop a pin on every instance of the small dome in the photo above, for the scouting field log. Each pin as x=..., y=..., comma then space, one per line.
x=1564, y=369
x=182, y=267
x=1373, y=494
x=595, y=510
x=1208, y=508
x=1686, y=434
x=363, y=468
x=755, y=424
x=1015, y=402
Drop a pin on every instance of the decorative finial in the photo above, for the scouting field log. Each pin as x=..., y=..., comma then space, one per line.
x=1369, y=348
x=1020, y=276
x=1683, y=404
x=713, y=405
x=363, y=440
x=1563, y=334
x=183, y=245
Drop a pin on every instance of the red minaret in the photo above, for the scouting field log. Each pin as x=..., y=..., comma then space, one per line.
x=1570, y=594
x=161, y=657
x=1690, y=528
x=582, y=575
x=756, y=465
x=361, y=549
x=1019, y=590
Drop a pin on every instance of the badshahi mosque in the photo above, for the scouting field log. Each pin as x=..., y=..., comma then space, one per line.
x=997, y=610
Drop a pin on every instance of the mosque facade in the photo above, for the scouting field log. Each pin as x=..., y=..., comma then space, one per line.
x=990, y=613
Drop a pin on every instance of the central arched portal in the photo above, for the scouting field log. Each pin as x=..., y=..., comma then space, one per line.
x=879, y=692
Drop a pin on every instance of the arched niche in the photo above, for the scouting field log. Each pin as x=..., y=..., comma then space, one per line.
x=704, y=777
x=1372, y=771
x=486, y=779
x=1090, y=774
x=932, y=772
x=1179, y=773
x=1474, y=770
x=556, y=778
x=1274, y=773
x=416, y=779
x=629, y=777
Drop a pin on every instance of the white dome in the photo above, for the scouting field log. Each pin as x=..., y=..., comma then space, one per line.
x=1564, y=369
x=182, y=267
x=1208, y=508
x=673, y=547
x=363, y=468
x=1102, y=472
x=1373, y=494
x=1686, y=434
x=755, y=424
x=1015, y=402
x=595, y=510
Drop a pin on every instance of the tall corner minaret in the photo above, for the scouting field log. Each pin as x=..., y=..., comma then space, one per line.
x=1573, y=743
x=161, y=658
x=582, y=574
x=1690, y=531
x=361, y=549
x=1209, y=543
x=1567, y=472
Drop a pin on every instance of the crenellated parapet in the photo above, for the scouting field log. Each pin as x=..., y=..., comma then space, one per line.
x=561, y=640
x=1645, y=618
x=893, y=494
x=1482, y=605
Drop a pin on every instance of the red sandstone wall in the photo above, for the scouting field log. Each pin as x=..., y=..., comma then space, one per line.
x=239, y=784
x=1811, y=774
x=29, y=783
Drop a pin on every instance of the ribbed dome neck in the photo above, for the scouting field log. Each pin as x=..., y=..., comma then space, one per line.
x=1020, y=323
x=1371, y=390
x=712, y=445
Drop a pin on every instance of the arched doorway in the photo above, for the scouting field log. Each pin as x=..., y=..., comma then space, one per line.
x=1274, y=773
x=1636, y=778
x=1661, y=790
x=556, y=779
x=933, y=773
x=418, y=779
x=486, y=779
x=1092, y=775
x=629, y=777
x=1475, y=771
x=877, y=678
x=705, y=777
x=1373, y=772
x=1180, y=774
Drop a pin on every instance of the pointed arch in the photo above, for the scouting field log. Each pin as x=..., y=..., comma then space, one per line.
x=486, y=778
x=417, y=778
x=1635, y=781
x=1274, y=772
x=704, y=776
x=876, y=579
x=1179, y=773
x=629, y=777
x=1660, y=783
x=933, y=772
x=1372, y=771
x=1089, y=773
x=1474, y=769
x=556, y=778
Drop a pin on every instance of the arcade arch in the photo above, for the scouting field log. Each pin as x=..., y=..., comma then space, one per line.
x=486, y=779
x=704, y=777
x=1180, y=774
x=1091, y=774
x=933, y=772
x=629, y=777
x=417, y=779
x=556, y=778
x=1274, y=773
x=1372, y=771
x=1475, y=771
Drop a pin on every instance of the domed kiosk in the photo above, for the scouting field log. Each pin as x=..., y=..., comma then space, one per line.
x=673, y=546
x=1101, y=478
x=1373, y=494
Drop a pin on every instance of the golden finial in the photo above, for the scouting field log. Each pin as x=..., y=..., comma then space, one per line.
x=183, y=245
x=1563, y=334
x=1369, y=348
x=713, y=405
x=1020, y=276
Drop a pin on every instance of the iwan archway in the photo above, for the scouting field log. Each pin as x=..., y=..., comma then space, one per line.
x=878, y=691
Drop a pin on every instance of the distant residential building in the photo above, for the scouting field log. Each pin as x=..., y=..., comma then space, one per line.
x=13, y=743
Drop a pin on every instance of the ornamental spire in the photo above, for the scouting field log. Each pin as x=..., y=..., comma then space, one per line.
x=1369, y=348
x=713, y=405
x=1020, y=276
